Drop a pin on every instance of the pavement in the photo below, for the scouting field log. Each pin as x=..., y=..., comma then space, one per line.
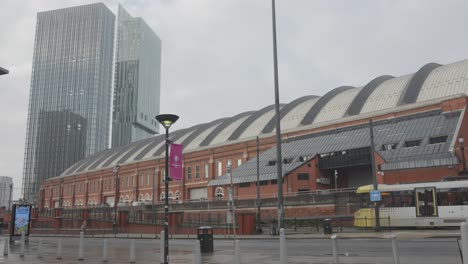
x=416, y=246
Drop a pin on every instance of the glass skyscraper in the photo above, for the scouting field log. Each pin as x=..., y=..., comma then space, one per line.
x=70, y=96
x=6, y=185
x=137, y=80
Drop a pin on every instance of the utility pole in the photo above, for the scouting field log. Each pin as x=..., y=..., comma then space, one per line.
x=259, y=201
x=231, y=201
x=279, y=161
x=116, y=199
x=374, y=177
x=11, y=193
x=152, y=200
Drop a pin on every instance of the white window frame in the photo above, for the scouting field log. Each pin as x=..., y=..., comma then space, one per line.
x=207, y=171
x=220, y=168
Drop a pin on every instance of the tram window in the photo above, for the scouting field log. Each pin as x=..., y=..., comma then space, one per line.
x=453, y=196
x=403, y=199
x=388, y=200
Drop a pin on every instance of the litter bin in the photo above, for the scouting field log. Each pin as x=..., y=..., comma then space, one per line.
x=327, y=226
x=205, y=235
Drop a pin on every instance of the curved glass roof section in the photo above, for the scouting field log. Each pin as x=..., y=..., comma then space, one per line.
x=386, y=95
x=256, y=127
x=194, y=140
x=147, y=149
x=445, y=81
x=309, y=118
x=249, y=121
x=361, y=98
x=284, y=112
x=430, y=82
x=212, y=135
x=414, y=86
x=128, y=154
x=337, y=106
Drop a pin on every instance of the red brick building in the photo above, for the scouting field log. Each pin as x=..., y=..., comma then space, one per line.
x=417, y=121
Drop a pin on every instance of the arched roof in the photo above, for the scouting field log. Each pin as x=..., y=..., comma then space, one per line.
x=320, y=104
x=249, y=121
x=417, y=81
x=285, y=110
x=361, y=98
x=385, y=92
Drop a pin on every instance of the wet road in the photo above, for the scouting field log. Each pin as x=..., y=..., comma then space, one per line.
x=424, y=251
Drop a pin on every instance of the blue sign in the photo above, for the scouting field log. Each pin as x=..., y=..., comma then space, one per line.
x=375, y=196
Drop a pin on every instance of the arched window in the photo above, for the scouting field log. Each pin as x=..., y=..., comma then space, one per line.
x=90, y=202
x=121, y=200
x=177, y=193
x=162, y=196
x=170, y=196
x=147, y=197
x=140, y=198
x=219, y=193
x=127, y=199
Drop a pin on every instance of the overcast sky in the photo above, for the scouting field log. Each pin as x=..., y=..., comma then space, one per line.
x=217, y=54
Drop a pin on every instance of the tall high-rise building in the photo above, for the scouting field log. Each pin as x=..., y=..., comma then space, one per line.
x=70, y=96
x=137, y=80
x=6, y=188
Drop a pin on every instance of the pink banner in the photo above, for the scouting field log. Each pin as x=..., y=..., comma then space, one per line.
x=175, y=162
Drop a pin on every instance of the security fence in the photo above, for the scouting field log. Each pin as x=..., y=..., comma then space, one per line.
x=146, y=217
x=303, y=212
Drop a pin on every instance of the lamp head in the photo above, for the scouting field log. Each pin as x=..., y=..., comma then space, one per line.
x=461, y=139
x=167, y=120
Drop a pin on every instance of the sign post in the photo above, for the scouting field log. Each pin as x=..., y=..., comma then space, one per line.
x=375, y=196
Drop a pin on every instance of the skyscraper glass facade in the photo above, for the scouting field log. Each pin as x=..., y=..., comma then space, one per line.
x=5, y=183
x=70, y=94
x=137, y=80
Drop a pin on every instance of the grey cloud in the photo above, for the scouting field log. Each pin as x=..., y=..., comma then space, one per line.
x=217, y=54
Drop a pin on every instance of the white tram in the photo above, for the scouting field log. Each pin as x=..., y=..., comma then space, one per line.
x=428, y=204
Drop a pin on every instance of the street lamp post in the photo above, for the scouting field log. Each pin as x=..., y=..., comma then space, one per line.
x=461, y=140
x=116, y=185
x=279, y=162
x=231, y=201
x=166, y=120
